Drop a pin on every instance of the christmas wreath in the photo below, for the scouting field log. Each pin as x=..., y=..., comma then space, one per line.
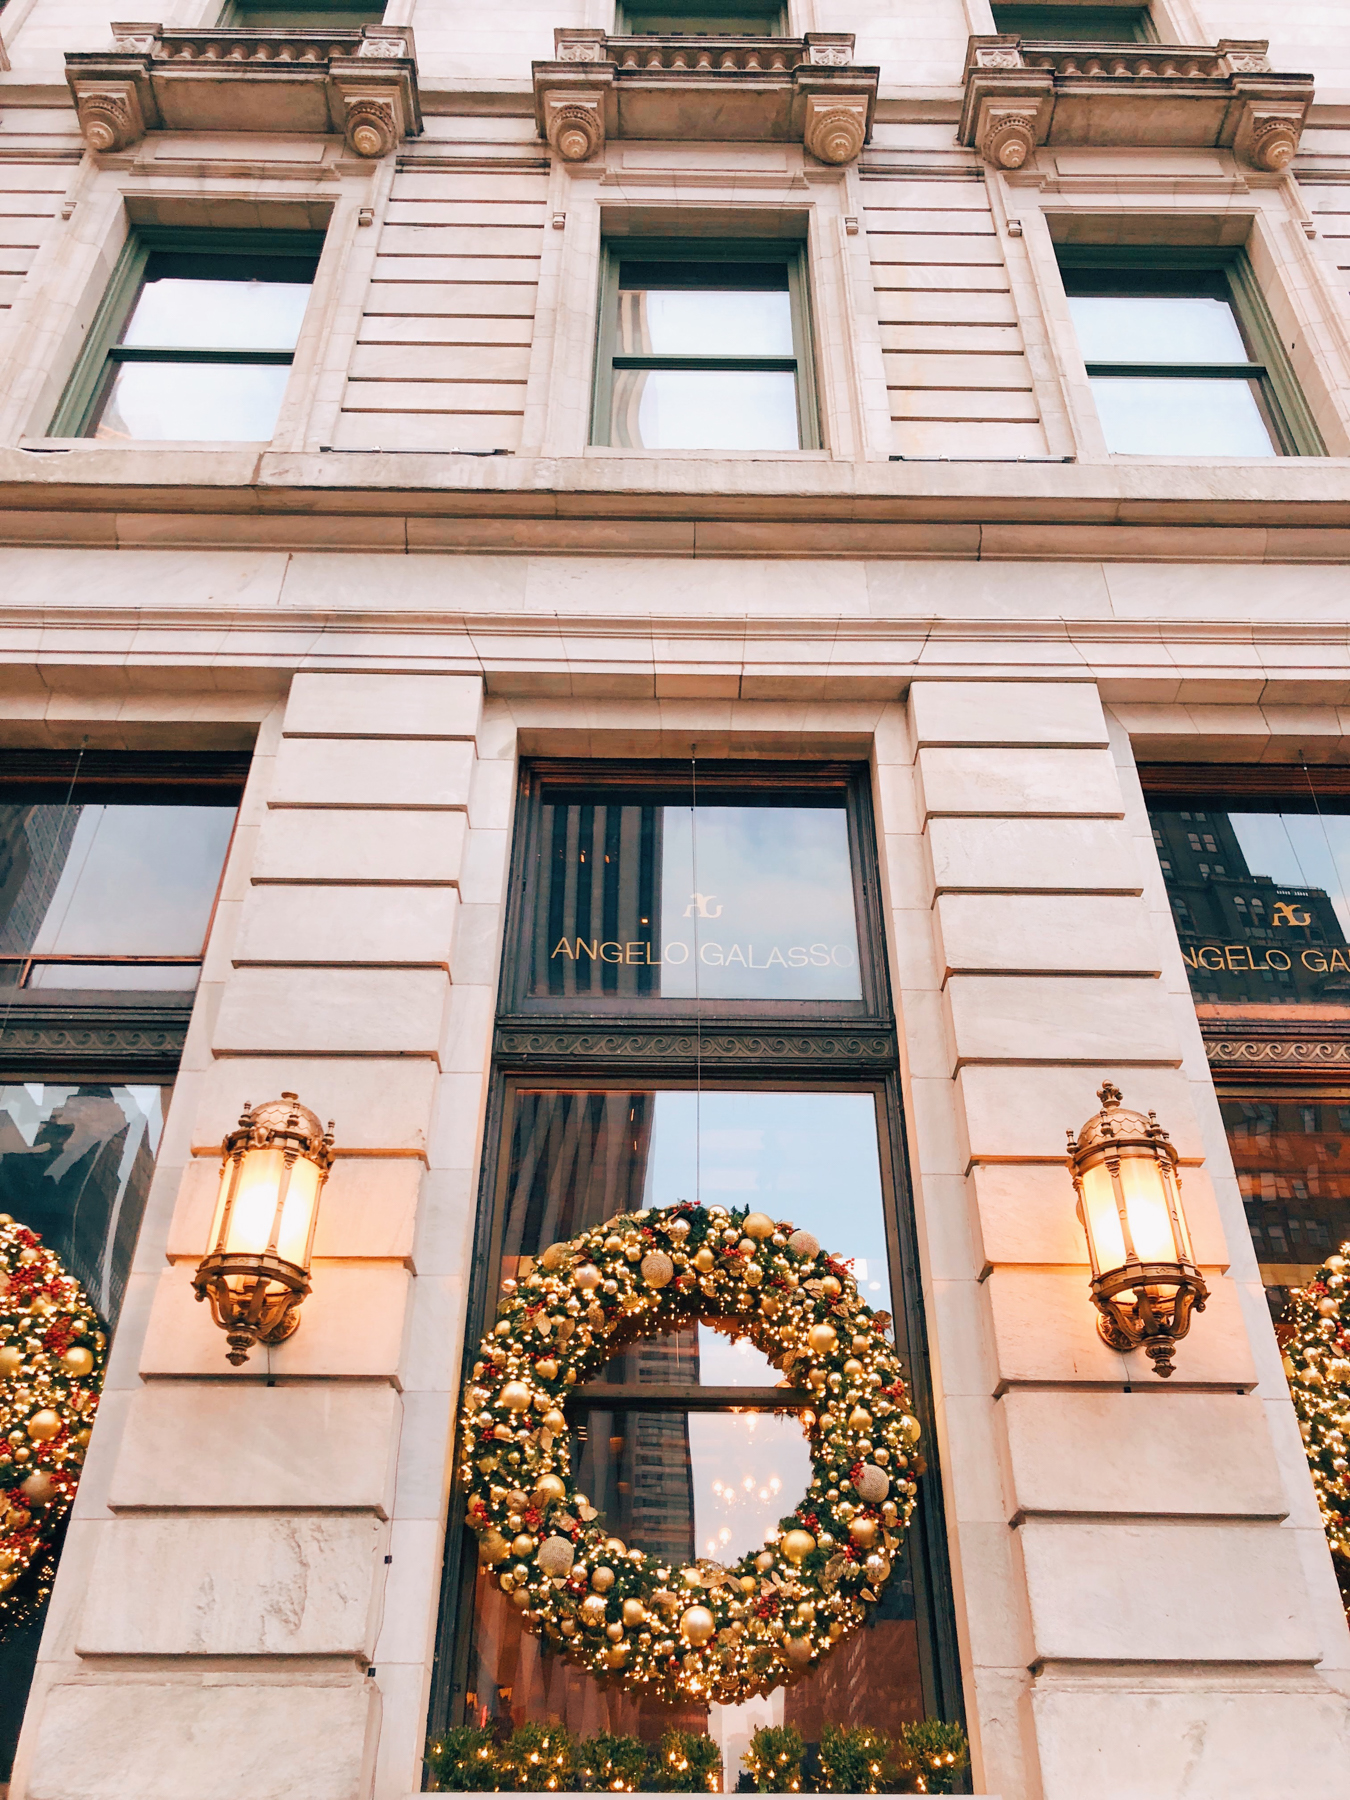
x=704, y=1631
x=1316, y=1333
x=51, y=1361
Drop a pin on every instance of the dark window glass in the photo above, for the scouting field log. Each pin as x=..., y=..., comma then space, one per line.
x=1071, y=24
x=245, y=17
x=1261, y=900
x=682, y=1479
x=644, y=899
x=131, y=883
x=765, y=19
x=1291, y=1152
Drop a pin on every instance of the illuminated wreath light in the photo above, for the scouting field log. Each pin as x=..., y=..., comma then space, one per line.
x=51, y=1362
x=1317, y=1362
x=705, y=1631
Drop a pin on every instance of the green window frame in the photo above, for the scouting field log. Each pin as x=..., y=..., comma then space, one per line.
x=700, y=18
x=1149, y=270
x=333, y=15
x=609, y=360
x=102, y=354
x=1071, y=23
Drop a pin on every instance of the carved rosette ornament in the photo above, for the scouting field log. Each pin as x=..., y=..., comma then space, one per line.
x=702, y=1631
x=835, y=131
x=576, y=129
x=1009, y=136
x=372, y=125
x=1274, y=140
x=110, y=118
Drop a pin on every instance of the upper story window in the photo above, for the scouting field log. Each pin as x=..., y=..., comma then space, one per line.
x=657, y=18
x=1071, y=23
x=109, y=869
x=245, y=15
x=675, y=891
x=194, y=339
x=1183, y=355
x=704, y=346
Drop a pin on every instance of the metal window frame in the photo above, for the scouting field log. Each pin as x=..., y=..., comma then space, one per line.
x=626, y=12
x=791, y=252
x=828, y=1052
x=77, y=413
x=1143, y=25
x=1293, y=427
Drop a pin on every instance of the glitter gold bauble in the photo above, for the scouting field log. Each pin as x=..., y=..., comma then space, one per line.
x=602, y=1579
x=802, y=1244
x=697, y=1625
x=634, y=1612
x=557, y=1256
x=556, y=1556
x=616, y=1656
x=657, y=1269
x=798, y=1651
x=797, y=1544
x=493, y=1548
x=515, y=1396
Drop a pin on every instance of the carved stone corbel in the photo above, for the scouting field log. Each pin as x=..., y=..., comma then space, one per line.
x=110, y=115
x=574, y=124
x=1268, y=136
x=372, y=124
x=1009, y=135
x=835, y=128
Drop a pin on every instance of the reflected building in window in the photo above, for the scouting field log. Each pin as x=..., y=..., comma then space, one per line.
x=34, y=844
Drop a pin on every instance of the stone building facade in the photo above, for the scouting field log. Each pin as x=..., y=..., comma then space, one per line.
x=1001, y=323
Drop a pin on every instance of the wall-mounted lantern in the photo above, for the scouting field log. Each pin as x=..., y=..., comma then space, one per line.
x=256, y=1270
x=1144, y=1280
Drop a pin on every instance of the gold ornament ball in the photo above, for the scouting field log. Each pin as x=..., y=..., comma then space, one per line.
x=549, y=1487
x=634, y=1612
x=696, y=1623
x=492, y=1548
x=615, y=1547
x=523, y=1545
x=798, y=1651
x=704, y=1260
x=802, y=1244
x=754, y=1274
x=11, y=1361
x=593, y=1610
x=877, y=1568
x=555, y=1422
x=1329, y=1308
x=602, y=1579
x=556, y=1556
x=910, y=1428
x=859, y=1419
x=863, y=1532
x=822, y=1338
x=588, y=1278
x=616, y=1656
x=77, y=1360
x=758, y=1225
x=798, y=1544
x=44, y=1426
x=873, y=1484
x=515, y=1396
x=547, y=1369
x=764, y=1561
x=614, y=1632
x=557, y=1256
x=832, y=1286
x=657, y=1269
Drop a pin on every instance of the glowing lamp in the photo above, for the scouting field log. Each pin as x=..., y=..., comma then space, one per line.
x=1145, y=1283
x=256, y=1270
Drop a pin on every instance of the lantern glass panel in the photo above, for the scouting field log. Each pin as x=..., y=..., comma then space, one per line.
x=1101, y=1219
x=1146, y=1206
x=297, y=1216
x=243, y=1227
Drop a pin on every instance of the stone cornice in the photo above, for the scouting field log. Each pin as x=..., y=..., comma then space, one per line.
x=104, y=497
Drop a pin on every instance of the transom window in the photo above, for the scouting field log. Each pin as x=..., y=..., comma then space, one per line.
x=1072, y=23
x=246, y=15
x=656, y=18
x=194, y=340
x=704, y=346
x=1183, y=355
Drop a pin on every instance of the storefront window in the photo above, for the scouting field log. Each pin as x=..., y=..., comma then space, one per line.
x=1257, y=868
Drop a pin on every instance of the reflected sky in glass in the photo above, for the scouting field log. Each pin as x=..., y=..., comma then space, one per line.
x=1156, y=328
x=173, y=313
x=125, y=880
x=1164, y=417
x=810, y=1158
x=203, y=402
x=776, y=920
x=709, y=322
x=1299, y=850
x=705, y=409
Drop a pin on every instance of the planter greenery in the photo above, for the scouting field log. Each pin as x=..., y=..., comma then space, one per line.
x=617, y=1765
x=774, y=1759
x=464, y=1761
x=687, y=1762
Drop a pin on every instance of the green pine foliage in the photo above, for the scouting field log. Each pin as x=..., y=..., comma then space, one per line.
x=609, y=1764
x=686, y=1762
x=854, y=1760
x=774, y=1759
x=938, y=1752
x=464, y=1761
x=538, y=1759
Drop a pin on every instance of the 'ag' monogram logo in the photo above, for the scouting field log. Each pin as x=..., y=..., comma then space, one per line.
x=1286, y=913
x=704, y=905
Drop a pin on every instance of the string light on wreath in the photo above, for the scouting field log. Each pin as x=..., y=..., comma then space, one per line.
x=51, y=1361
x=1317, y=1362
x=701, y=1631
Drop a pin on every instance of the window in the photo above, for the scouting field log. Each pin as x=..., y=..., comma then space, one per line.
x=751, y=18
x=687, y=1443
x=244, y=15
x=704, y=346
x=194, y=339
x=1183, y=355
x=1069, y=23
x=109, y=867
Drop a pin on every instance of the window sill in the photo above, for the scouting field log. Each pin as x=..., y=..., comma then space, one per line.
x=595, y=450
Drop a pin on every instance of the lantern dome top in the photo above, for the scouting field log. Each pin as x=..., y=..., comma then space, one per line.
x=1116, y=1126
x=285, y=1118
